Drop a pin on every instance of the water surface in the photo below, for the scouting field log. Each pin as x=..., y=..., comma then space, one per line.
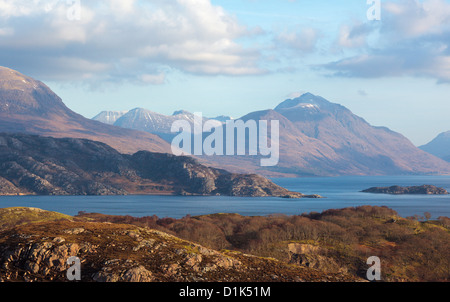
x=339, y=192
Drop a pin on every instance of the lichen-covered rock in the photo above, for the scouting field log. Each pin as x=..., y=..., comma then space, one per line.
x=111, y=252
x=312, y=256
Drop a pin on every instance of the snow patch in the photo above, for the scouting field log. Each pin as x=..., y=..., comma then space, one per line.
x=307, y=106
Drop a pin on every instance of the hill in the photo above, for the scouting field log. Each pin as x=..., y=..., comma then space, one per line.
x=29, y=106
x=31, y=164
x=111, y=252
x=330, y=246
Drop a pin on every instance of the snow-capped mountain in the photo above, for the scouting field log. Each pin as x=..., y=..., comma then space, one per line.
x=157, y=123
x=317, y=137
x=109, y=117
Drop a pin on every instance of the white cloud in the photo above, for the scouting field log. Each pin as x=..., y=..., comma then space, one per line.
x=155, y=79
x=413, y=18
x=413, y=40
x=17, y=8
x=354, y=36
x=189, y=35
x=7, y=31
x=304, y=40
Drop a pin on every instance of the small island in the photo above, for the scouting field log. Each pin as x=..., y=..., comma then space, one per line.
x=423, y=189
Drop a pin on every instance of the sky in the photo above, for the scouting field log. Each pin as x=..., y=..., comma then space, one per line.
x=386, y=61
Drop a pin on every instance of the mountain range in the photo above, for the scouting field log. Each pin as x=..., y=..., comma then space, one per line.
x=152, y=122
x=317, y=137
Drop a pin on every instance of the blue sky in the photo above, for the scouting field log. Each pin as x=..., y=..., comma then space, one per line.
x=232, y=57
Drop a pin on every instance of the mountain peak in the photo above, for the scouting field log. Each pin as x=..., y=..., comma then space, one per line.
x=21, y=94
x=108, y=116
x=305, y=101
x=29, y=106
x=178, y=112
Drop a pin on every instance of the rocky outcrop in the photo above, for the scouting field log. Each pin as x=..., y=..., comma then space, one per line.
x=49, y=166
x=111, y=252
x=424, y=189
x=313, y=256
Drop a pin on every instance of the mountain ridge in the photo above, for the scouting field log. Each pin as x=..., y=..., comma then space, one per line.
x=29, y=106
x=321, y=138
x=317, y=137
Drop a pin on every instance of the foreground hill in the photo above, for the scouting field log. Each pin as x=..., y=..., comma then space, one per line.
x=330, y=246
x=32, y=164
x=38, y=251
x=29, y=106
x=332, y=241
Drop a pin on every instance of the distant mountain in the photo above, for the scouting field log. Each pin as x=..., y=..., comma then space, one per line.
x=31, y=164
x=156, y=123
x=222, y=118
x=109, y=117
x=29, y=106
x=439, y=146
x=318, y=137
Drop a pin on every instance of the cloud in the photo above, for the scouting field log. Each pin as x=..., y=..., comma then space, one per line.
x=412, y=18
x=362, y=92
x=302, y=41
x=119, y=39
x=354, y=36
x=155, y=79
x=413, y=40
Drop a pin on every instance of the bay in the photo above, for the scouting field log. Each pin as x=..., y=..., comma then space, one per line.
x=339, y=192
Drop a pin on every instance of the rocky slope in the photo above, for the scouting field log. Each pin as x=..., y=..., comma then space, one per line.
x=29, y=106
x=411, y=249
x=424, y=189
x=48, y=166
x=38, y=251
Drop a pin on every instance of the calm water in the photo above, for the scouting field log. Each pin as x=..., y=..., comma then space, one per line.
x=340, y=192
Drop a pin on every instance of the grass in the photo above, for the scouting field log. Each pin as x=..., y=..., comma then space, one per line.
x=10, y=217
